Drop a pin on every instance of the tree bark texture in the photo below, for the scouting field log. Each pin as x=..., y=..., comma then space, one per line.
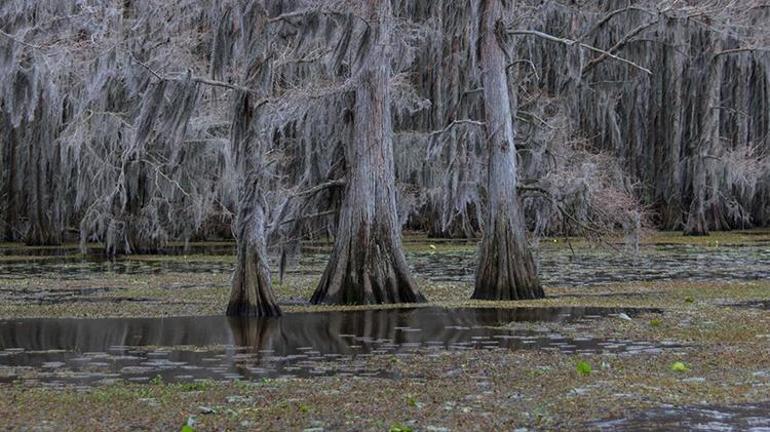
x=252, y=293
x=697, y=222
x=506, y=268
x=367, y=265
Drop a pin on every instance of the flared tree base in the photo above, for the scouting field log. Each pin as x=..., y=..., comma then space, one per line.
x=367, y=274
x=254, y=311
x=702, y=232
x=251, y=294
x=696, y=225
x=506, y=267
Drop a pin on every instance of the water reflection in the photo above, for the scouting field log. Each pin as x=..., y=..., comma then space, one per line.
x=302, y=344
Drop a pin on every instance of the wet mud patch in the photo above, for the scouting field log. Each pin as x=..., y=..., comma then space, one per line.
x=88, y=351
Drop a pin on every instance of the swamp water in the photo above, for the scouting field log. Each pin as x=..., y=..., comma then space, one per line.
x=590, y=267
x=55, y=352
x=85, y=351
x=557, y=267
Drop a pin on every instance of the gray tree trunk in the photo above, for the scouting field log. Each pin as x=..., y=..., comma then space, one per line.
x=670, y=133
x=506, y=268
x=252, y=292
x=9, y=184
x=367, y=265
x=697, y=223
x=44, y=205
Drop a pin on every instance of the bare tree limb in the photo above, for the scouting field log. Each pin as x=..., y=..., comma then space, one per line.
x=309, y=216
x=570, y=42
x=19, y=41
x=144, y=65
x=529, y=62
x=288, y=16
x=621, y=43
x=204, y=81
x=611, y=15
x=455, y=123
x=328, y=185
x=742, y=50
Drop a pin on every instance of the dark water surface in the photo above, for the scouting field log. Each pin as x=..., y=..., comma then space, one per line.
x=751, y=417
x=71, y=250
x=589, y=267
x=557, y=267
x=84, y=351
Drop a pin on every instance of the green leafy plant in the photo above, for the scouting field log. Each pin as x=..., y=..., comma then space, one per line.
x=399, y=428
x=584, y=368
x=656, y=322
x=679, y=367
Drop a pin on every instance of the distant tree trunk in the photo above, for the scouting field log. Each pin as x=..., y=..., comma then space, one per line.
x=9, y=186
x=697, y=224
x=506, y=268
x=43, y=174
x=367, y=265
x=252, y=292
x=696, y=218
x=670, y=132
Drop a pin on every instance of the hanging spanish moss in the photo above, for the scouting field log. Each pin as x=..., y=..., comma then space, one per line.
x=117, y=117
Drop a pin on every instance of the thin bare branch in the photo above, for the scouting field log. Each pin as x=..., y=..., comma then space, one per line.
x=570, y=42
x=328, y=185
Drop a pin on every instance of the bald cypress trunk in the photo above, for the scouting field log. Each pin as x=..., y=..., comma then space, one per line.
x=506, y=268
x=696, y=219
x=9, y=184
x=697, y=223
x=252, y=293
x=367, y=265
x=669, y=131
x=43, y=207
